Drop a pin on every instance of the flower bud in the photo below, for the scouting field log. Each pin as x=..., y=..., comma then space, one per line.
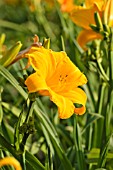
x=46, y=43
x=10, y=55
x=98, y=21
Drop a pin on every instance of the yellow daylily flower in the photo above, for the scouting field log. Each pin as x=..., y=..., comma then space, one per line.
x=86, y=36
x=84, y=16
x=10, y=161
x=108, y=13
x=57, y=77
x=66, y=5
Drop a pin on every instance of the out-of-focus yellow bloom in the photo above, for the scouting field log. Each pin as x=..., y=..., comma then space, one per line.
x=66, y=5
x=108, y=13
x=84, y=16
x=10, y=161
x=57, y=77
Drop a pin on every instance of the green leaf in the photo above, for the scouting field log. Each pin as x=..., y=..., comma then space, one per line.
x=78, y=145
x=33, y=161
x=12, y=108
x=50, y=130
x=103, y=154
x=6, y=74
x=93, y=155
x=100, y=169
x=1, y=110
x=93, y=117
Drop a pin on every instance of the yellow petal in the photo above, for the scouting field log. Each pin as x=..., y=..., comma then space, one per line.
x=42, y=59
x=65, y=102
x=36, y=82
x=66, y=76
x=65, y=106
x=86, y=36
x=98, y=3
x=66, y=5
x=76, y=96
x=10, y=161
x=80, y=111
x=83, y=17
x=108, y=13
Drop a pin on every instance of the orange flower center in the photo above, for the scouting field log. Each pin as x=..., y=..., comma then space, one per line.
x=62, y=79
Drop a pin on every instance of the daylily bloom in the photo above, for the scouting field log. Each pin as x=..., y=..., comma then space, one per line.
x=10, y=161
x=108, y=13
x=66, y=5
x=84, y=16
x=57, y=77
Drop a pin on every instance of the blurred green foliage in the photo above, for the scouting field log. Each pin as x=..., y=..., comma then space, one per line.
x=57, y=144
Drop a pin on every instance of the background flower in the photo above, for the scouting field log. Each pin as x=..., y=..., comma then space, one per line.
x=83, y=16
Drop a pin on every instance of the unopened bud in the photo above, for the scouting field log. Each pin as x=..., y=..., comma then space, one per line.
x=46, y=43
x=94, y=27
x=98, y=21
x=10, y=55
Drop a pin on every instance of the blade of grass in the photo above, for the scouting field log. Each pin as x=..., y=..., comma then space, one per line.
x=53, y=137
x=103, y=154
x=78, y=146
x=33, y=161
x=6, y=74
x=93, y=117
x=1, y=110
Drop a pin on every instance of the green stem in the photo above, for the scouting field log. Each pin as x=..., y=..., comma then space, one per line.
x=109, y=105
x=26, y=134
x=63, y=44
x=90, y=95
x=8, y=146
x=16, y=133
x=28, y=112
x=110, y=87
x=105, y=77
x=23, y=161
x=98, y=126
x=78, y=146
x=110, y=55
